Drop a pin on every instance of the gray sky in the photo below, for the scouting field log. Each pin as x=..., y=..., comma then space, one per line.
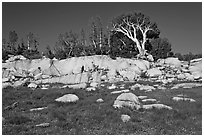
x=181, y=23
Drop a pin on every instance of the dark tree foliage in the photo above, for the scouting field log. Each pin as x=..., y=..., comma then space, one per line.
x=161, y=48
x=68, y=45
x=121, y=46
x=49, y=53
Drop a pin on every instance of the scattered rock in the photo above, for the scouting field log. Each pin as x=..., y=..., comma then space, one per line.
x=99, y=100
x=78, y=86
x=127, y=100
x=186, y=85
x=67, y=98
x=94, y=84
x=158, y=106
x=33, y=85
x=142, y=97
x=90, y=89
x=125, y=118
x=181, y=76
x=6, y=84
x=147, y=88
x=37, y=109
x=112, y=87
x=120, y=91
x=162, y=88
x=149, y=100
x=44, y=86
x=135, y=86
x=43, y=125
x=183, y=99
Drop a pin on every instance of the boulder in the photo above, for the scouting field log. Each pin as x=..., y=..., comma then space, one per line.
x=127, y=100
x=67, y=98
x=154, y=72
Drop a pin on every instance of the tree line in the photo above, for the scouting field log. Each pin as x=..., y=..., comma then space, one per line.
x=130, y=35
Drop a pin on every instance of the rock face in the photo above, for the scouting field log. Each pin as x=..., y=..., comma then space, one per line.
x=127, y=100
x=97, y=68
x=67, y=98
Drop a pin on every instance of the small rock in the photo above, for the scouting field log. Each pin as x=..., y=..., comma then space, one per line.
x=67, y=98
x=142, y=97
x=125, y=118
x=78, y=86
x=36, y=109
x=147, y=88
x=147, y=100
x=43, y=125
x=122, y=87
x=94, y=84
x=120, y=91
x=90, y=89
x=160, y=87
x=99, y=100
x=112, y=87
x=183, y=99
x=33, y=85
x=135, y=86
x=158, y=106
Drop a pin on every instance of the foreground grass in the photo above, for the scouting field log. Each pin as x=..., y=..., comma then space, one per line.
x=89, y=117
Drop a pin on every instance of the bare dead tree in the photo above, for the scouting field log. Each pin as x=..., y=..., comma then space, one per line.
x=137, y=27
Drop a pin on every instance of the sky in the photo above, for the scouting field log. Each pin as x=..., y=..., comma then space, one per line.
x=180, y=23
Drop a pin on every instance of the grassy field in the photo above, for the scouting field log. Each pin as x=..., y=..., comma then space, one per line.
x=89, y=117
